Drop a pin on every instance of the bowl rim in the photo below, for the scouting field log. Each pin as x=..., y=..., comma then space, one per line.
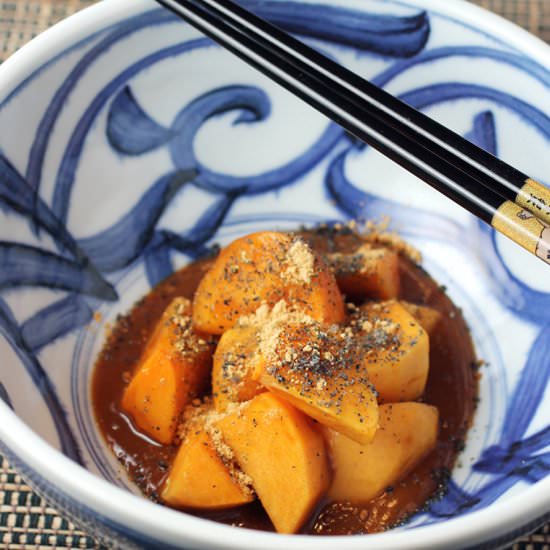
x=129, y=511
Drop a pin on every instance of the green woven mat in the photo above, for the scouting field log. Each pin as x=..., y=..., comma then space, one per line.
x=26, y=521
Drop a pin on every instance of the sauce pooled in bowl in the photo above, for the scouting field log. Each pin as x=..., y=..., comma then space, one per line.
x=318, y=382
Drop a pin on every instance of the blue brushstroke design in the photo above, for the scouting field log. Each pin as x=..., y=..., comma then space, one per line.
x=10, y=330
x=51, y=61
x=5, y=396
x=157, y=259
x=362, y=205
x=180, y=243
x=119, y=245
x=17, y=194
x=511, y=462
x=146, y=16
x=520, y=62
x=529, y=468
x=256, y=107
x=529, y=390
x=158, y=264
x=427, y=96
x=209, y=223
x=384, y=34
x=525, y=302
x=527, y=64
x=56, y=320
x=483, y=133
x=535, y=442
x=45, y=128
x=456, y=501
x=381, y=33
x=130, y=130
x=350, y=199
x=511, y=292
x=66, y=174
x=357, y=203
x=424, y=96
x=512, y=459
x=24, y=265
x=493, y=490
x=276, y=178
x=253, y=103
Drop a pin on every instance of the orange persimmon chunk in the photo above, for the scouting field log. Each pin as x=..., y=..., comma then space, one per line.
x=265, y=268
x=173, y=369
x=198, y=478
x=395, y=351
x=319, y=370
x=427, y=317
x=367, y=273
x=407, y=433
x=233, y=366
x=283, y=453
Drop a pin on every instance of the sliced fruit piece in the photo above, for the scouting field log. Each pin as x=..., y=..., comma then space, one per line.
x=367, y=273
x=173, y=369
x=233, y=366
x=395, y=350
x=319, y=370
x=426, y=316
x=407, y=433
x=265, y=268
x=283, y=453
x=198, y=477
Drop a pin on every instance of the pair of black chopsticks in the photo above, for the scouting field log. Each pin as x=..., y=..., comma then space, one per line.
x=494, y=191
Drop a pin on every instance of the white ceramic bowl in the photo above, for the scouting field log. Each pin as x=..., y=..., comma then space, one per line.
x=130, y=143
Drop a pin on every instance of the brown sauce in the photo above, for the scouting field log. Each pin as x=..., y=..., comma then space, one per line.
x=452, y=388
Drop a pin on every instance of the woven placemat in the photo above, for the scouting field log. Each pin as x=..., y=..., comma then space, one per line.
x=26, y=521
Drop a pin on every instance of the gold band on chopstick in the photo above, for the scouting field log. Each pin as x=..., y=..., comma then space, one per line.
x=535, y=197
x=524, y=228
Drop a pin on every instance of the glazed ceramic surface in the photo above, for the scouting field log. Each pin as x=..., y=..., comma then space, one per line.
x=131, y=144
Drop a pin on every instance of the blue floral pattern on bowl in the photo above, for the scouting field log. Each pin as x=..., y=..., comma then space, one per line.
x=122, y=184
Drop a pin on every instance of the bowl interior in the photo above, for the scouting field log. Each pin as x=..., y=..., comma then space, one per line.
x=136, y=146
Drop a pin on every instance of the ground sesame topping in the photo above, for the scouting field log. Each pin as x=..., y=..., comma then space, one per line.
x=201, y=416
x=271, y=322
x=377, y=233
x=299, y=263
x=187, y=341
x=322, y=364
x=362, y=261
